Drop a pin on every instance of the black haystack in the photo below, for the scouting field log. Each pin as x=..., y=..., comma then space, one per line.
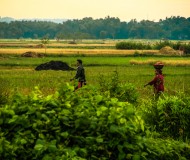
x=54, y=65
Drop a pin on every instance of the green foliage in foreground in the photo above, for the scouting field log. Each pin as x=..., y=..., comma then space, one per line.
x=85, y=124
x=169, y=116
x=113, y=87
x=5, y=92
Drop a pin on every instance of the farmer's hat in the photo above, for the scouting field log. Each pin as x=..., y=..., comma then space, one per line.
x=158, y=65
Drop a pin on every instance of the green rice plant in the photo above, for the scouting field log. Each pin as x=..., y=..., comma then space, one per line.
x=5, y=91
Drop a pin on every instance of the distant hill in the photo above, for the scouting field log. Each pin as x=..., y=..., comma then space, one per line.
x=9, y=19
x=6, y=19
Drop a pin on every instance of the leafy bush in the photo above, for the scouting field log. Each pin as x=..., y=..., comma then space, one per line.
x=165, y=149
x=158, y=45
x=40, y=127
x=5, y=91
x=122, y=91
x=132, y=45
x=185, y=47
x=169, y=115
x=161, y=44
x=79, y=125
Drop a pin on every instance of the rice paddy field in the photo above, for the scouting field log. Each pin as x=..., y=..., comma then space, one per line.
x=18, y=73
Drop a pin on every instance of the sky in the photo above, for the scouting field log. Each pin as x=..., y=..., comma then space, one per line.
x=125, y=10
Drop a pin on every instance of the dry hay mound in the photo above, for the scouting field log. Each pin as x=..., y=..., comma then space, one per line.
x=54, y=65
x=168, y=50
x=31, y=54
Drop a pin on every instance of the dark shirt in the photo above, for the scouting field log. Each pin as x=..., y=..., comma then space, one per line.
x=80, y=75
x=158, y=83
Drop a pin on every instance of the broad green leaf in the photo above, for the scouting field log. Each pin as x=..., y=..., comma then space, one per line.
x=48, y=98
x=70, y=87
x=142, y=125
x=51, y=112
x=41, y=135
x=114, y=100
x=122, y=120
x=45, y=117
x=98, y=113
x=103, y=108
x=23, y=141
x=11, y=112
x=52, y=146
x=40, y=144
x=98, y=98
x=65, y=112
x=40, y=141
x=39, y=147
x=65, y=134
x=13, y=119
x=99, y=139
x=67, y=104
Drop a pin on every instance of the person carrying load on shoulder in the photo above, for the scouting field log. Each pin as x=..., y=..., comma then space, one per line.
x=80, y=75
x=158, y=80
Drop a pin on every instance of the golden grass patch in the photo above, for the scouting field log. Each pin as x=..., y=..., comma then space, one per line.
x=165, y=62
x=74, y=51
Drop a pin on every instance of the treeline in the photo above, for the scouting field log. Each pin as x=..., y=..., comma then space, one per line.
x=174, y=28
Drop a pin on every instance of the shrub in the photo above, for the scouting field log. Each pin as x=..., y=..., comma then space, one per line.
x=79, y=125
x=5, y=91
x=161, y=44
x=185, y=47
x=132, y=45
x=169, y=116
x=122, y=91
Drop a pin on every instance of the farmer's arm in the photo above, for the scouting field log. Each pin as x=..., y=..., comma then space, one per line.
x=151, y=82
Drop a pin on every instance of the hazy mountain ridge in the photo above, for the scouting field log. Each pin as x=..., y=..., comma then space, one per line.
x=55, y=20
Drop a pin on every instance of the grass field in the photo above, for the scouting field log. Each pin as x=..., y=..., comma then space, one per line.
x=18, y=73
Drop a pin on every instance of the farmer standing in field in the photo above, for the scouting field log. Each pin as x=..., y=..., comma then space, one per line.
x=158, y=81
x=80, y=75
